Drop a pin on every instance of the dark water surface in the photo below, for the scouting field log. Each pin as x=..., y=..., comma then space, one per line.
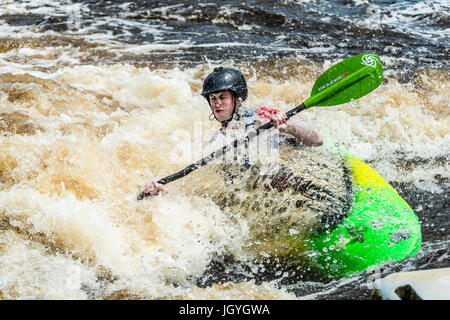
x=191, y=32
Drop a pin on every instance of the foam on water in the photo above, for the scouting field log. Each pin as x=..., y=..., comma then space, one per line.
x=144, y=252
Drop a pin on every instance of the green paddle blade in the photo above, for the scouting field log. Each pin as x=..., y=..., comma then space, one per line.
x=349, y=79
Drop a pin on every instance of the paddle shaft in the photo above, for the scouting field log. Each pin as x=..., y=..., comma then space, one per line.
x=219, y=152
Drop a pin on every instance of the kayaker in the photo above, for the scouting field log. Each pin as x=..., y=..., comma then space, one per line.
x=225, y=89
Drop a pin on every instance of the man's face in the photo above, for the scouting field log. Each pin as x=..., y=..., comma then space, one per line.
x=222, y=104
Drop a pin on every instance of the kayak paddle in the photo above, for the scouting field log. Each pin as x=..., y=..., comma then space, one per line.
x=347, y=80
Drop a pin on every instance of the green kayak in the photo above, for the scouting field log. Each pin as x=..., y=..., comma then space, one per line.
x=331, y=213
x=380, y=227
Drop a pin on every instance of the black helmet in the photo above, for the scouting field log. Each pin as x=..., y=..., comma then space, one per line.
x=225, y=79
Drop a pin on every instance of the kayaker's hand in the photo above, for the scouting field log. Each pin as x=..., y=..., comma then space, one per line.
x=280, y=121
x=153, y=188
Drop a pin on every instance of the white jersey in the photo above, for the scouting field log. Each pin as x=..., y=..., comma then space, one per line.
x=247, y=119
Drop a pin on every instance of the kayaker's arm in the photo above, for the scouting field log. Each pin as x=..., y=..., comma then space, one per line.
x=297, y=128
x=304, y=132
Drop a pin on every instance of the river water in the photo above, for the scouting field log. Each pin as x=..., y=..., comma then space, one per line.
x=99, y=96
